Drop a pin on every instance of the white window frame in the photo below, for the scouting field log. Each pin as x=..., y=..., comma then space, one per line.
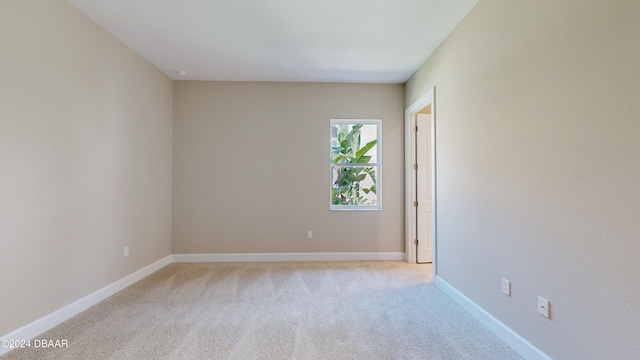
x=377, y=165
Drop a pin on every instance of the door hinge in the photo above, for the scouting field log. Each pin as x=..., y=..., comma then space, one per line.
x=415, y=204
x=415, y=166
x=415, y=241
x=416, y=128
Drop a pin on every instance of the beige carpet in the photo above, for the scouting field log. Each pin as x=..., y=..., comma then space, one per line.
x=316, y=310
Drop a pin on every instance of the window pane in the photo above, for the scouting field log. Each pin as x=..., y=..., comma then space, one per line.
x=354, y=143
x=354, y=185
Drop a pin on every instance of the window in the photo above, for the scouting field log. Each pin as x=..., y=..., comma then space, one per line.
x=355, y=164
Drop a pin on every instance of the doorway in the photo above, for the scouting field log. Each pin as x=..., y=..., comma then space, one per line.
x=420, y=181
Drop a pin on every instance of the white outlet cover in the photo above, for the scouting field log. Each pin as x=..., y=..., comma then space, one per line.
x=506, y=287
x=543, y=306
x=309, y=234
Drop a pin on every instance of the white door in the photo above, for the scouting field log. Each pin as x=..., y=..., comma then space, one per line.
x=424, y=192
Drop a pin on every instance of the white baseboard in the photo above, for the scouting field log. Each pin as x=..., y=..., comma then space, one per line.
x=502, y=331
x=250, y=257
x=55, y=318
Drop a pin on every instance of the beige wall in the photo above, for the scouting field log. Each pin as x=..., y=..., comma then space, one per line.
x=538, y=173
x=251, y=171
x=85, y=159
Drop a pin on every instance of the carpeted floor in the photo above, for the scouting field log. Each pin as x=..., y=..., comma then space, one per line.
x=315, y=310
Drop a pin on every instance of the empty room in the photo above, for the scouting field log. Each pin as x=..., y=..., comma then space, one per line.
x=299, y=179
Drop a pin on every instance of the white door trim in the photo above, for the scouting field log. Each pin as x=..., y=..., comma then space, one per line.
x=409, y=141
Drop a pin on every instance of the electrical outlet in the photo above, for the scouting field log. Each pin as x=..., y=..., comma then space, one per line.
x=506, y=287
x=543, y=306
x=126, y=251
x=309, y=234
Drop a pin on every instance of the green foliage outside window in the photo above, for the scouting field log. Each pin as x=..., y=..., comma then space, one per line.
x=353, y=184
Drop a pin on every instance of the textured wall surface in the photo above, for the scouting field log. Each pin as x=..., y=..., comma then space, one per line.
x=251, y=168
x=85, y=159
x=538, y=174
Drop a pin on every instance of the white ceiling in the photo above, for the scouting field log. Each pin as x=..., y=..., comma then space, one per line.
x=370, y=41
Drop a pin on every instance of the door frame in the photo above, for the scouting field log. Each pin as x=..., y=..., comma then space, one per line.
x=410, y=179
